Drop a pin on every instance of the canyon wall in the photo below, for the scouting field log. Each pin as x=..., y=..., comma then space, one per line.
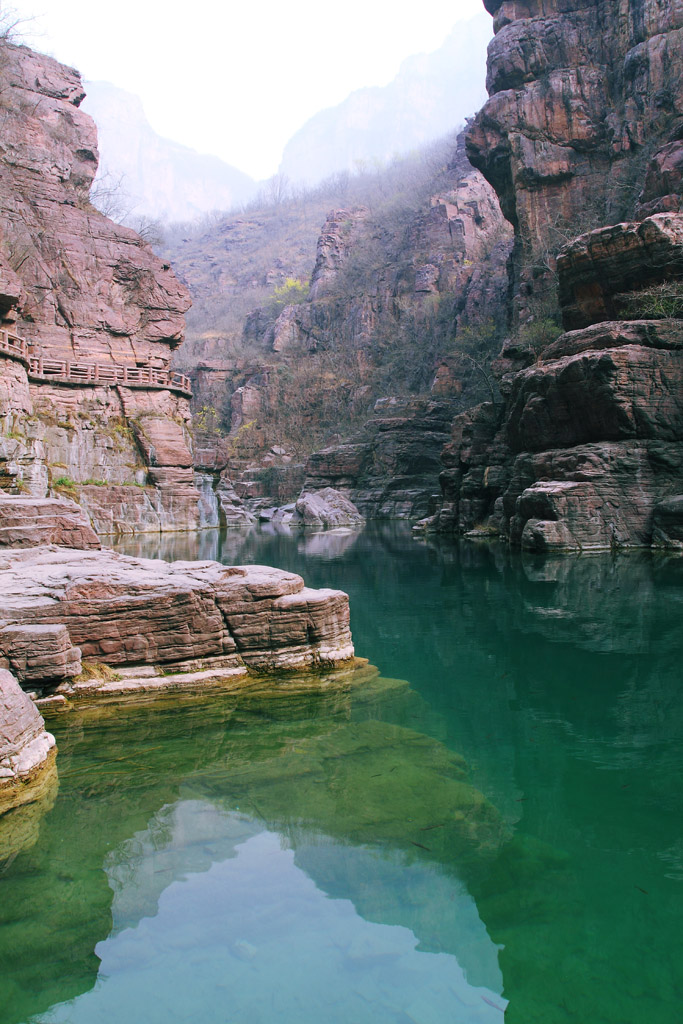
x=583, y=128
x=584, y=125
x=89, y=404
x=366, y=366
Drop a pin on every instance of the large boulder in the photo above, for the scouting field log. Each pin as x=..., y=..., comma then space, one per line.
x=160, y=618
x=327, y=508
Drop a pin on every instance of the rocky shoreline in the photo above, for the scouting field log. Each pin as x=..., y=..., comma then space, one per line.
x=585, y=450
x=81, y=621
x=63, y=605
x=27, y=750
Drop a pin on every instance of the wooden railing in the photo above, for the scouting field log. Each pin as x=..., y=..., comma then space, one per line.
x=64, y=371
x=13, y=346
x=59, y=370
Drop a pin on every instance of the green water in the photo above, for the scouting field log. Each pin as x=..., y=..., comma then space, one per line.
x=491, y=829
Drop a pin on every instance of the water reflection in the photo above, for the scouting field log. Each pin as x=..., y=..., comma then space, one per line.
x=237, y=546
x=559, y=683
x=254, y=937
x=372, y=813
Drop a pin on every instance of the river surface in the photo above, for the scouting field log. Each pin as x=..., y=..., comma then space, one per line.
x=488, y=827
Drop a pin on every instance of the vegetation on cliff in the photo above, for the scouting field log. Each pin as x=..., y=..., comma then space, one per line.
x=411, y=257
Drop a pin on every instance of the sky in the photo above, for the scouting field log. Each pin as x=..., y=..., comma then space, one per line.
x=238, y=80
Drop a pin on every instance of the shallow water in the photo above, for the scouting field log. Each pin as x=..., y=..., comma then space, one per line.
x=489, y=829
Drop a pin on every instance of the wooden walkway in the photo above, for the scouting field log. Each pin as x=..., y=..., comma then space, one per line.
x=62, y=371
x=13, y=346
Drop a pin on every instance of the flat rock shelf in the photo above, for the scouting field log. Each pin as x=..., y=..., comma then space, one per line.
x=82, y=622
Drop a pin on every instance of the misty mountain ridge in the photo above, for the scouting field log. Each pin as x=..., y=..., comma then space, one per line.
x=432, y=94
x=158, y=178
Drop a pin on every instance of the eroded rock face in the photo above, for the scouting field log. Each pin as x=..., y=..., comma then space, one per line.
x=585, y=113
x=588, y=440
x=597, y=271
x=337, y=236
x=26, y=749
x=388, y=471
x=668, y=523
x=200, y=615
x=28, y=522
x=585, y=447
x=135, y=311
x=81, y=289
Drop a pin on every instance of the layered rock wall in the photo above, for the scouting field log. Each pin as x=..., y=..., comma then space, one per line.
x=82, y=292
x=389, y=470
x=586, y=449
x=584, y=122
x=582, y=128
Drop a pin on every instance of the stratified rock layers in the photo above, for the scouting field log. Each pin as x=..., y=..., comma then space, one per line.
x=176, y=616
x=583, y=124
x=83, y=292
x=26, y=749
x=582, y=129
x=27, y=522
x=588, y=443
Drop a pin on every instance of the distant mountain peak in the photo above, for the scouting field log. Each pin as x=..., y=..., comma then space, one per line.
x=432, y=94
x=159, y=178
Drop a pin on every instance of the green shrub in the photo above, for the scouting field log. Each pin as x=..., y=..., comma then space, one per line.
x=540, y=333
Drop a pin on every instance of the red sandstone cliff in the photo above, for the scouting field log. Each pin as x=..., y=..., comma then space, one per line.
x=584, y=122
x=90, y=406
x=583, y=128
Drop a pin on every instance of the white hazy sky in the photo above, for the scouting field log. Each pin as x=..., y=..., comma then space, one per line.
x=238, y=79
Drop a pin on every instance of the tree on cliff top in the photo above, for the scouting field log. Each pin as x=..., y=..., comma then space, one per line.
x=10, y=23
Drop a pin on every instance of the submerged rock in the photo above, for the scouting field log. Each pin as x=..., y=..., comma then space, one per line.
x=376, y=783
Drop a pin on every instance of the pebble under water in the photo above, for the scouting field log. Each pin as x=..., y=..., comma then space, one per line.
x=488, y=827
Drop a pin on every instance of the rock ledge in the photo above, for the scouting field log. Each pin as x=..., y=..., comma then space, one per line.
x=149, y=618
